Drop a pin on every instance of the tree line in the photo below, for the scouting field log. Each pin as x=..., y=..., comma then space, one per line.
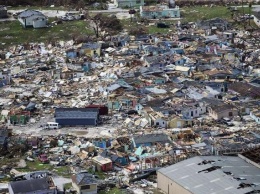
x=46, y=2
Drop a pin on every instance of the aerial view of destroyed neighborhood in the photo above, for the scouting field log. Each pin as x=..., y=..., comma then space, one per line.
x=129, y=97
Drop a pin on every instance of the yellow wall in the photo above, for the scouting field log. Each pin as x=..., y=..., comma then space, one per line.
x=173, y=123
x=168, y=186
x=90, y=52
x=93, y=189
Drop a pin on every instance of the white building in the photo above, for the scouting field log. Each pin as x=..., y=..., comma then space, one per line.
x=32, y=18
x=255, y=114
x=194, y=111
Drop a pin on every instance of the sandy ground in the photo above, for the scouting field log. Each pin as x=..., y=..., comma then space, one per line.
x=59, y=182
x=35, y=129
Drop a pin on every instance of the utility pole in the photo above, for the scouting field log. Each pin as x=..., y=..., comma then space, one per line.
x=243, y=11
x=249, y=7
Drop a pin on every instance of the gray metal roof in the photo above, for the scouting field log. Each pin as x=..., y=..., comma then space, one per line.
x=85, y=179
x=190, y=175
x=3, y=8
x=27, y=186
x=74, y=113
x=29, y=13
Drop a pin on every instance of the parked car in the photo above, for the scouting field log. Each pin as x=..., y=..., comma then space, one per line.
x=64, y=18
x=247, y=17
x=43, y=158
x=70, y=18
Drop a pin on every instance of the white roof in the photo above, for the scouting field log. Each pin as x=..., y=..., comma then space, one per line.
x=52, y=123
x=181, y=68
x=5, y=112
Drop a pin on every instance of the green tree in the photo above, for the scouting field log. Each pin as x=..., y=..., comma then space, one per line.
x=101, y=23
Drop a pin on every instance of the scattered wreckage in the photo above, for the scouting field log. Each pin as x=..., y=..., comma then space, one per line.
x=125, y=108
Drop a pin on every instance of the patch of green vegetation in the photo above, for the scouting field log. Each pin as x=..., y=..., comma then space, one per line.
x=62, y=171
x=36, y=166
x=112, y=191
x=67, y=186
x=12, y=32
x=195, y=13
x=150, y=29
x=155, y=30
x=38, y=8
x=100, y=174
x=5, y=179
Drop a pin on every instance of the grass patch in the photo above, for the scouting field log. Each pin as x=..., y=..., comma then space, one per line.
x=112, y=191
x=37, y=166
x=196, y=13
x=100, y=174
x=38, y=8
x=193, y=14
x=12, y=33
x=127, y=24
x=155, y=30
x=5, y=180
x=67, y=186
x=62, y=171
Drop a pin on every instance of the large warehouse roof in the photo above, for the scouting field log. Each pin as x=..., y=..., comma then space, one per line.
x=214, y=174
x=76, y=113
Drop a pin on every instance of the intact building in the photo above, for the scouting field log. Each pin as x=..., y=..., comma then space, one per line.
x=32, y=18
x=84, y=183
x=77, y=116
x=128, y=3
x=210, y=175
x=159, y=11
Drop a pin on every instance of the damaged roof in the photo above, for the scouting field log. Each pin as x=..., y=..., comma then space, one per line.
x=214, y=174
x=84, y=179
x=152, y=138
x=32, y=185
x=29, y=13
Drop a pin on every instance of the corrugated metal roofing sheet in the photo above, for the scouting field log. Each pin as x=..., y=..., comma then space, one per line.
x=187, y=174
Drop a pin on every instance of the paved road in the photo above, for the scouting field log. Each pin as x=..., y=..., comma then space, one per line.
x=48, y=13
x=59, y=13
x=60, y=181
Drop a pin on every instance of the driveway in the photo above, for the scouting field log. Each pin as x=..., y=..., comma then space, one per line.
x=60, y=181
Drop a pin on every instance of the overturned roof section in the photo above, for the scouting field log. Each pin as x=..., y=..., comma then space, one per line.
x=214, y=174
x=152, y=138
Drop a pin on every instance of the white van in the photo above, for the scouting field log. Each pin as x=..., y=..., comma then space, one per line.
x=51, y=125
